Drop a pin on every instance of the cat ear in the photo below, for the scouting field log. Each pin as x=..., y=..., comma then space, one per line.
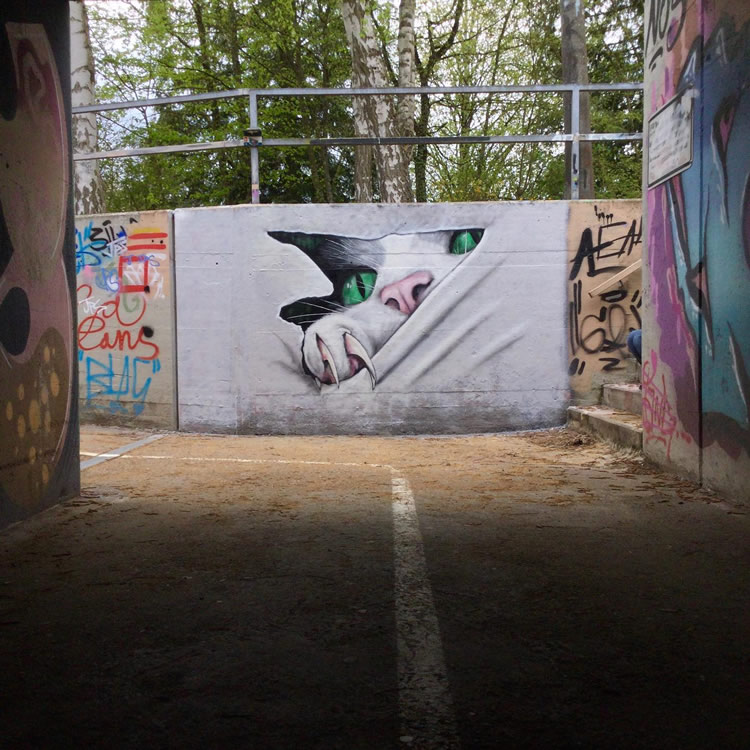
x=325, y=250
x=308, y=243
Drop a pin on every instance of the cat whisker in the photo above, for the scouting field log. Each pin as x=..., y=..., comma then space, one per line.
x=328, y=307
x=310, y=316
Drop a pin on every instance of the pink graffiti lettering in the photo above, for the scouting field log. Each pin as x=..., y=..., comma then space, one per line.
x=659, y=420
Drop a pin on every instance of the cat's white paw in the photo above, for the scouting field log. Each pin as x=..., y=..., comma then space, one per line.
x=333, y=353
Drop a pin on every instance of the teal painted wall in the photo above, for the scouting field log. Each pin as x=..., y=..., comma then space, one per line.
x=697, y=213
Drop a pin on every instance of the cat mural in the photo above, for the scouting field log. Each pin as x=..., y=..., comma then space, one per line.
x=377, y=285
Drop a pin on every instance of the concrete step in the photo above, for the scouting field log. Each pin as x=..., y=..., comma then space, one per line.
x=619, y=427
x=623, y=396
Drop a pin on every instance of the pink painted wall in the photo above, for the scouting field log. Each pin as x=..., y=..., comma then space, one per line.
x=38, y=389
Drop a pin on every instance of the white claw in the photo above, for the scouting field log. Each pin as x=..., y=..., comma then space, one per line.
x=353, y=346
x=328, y=359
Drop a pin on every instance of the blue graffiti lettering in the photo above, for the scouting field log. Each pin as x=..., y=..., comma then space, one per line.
x=94, y=243
x=122, y=390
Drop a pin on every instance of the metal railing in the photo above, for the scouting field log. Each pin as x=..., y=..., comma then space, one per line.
x=254, y=141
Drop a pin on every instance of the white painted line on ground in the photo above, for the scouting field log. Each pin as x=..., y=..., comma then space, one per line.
x=101, y=457
x=427, y=717
x=239, y=460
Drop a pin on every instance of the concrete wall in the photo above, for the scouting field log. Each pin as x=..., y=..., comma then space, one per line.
x=126, y=328
x=604, y=238
x=696, y=386
x=38, y=394
x=482, y=353
x=437, y=342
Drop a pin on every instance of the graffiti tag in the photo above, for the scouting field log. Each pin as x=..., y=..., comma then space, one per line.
x=665, y=21
x=599, y=328
x=119, y=276
x=660, y=422
x=126, y=387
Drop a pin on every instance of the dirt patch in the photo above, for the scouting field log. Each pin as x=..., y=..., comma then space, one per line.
x=224, y=591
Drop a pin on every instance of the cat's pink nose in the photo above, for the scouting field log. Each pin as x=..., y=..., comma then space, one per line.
x=406, y=294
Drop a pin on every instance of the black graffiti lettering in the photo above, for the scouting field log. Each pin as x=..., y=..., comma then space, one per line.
x=618, y=332
x=616, y=295
x=633, y=237
x=655, y=58
x=603, y=215
x=573, y=327
x=586, y=251
x=610, y=346
x=613, y=363
x=621, y=244
x=597, y=335
x=658, y=18
x=593, y=342
x=574, y=310
x=605, y=244
x=665, y=21
x=602, y=249
x=101, y=237
x=610, y=337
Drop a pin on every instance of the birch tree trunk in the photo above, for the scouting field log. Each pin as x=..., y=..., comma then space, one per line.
x=575, y=69
x=89, y=192
x=407, y=105
x=375, y=116
x=362, y=154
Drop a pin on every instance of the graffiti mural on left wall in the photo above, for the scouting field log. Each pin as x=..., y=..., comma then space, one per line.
x=125, y=320
x=36, y=329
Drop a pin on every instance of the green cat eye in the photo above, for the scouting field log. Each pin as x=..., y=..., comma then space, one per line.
x=358, y=287
x=464, y=242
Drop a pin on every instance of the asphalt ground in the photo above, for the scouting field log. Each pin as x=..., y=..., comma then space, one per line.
x=533, y=590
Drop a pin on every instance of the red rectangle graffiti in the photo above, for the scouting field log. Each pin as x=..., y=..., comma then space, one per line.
x=129, y=260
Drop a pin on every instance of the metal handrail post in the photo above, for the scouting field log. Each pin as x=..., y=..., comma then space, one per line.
x=575, y=148
x=254, y=157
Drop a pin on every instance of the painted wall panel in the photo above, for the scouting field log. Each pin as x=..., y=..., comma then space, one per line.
x=126, y=326
x=604, y=238
x=38, y=404
x=204, y=272
x=725, y=274
x=697, y=331
x=372, y=319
